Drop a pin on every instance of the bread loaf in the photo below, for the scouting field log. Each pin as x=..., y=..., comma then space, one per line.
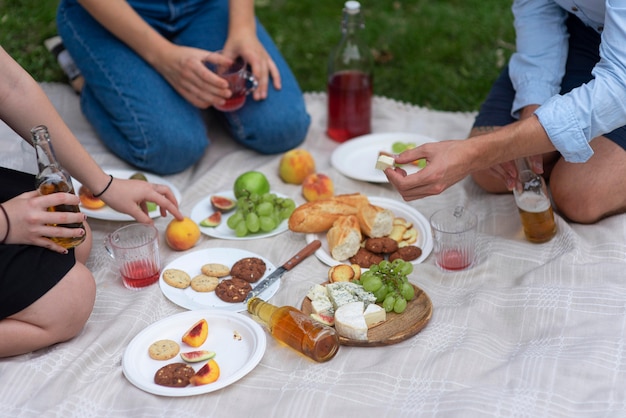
x=375, y=222
x=344, y=237
x=318, y=215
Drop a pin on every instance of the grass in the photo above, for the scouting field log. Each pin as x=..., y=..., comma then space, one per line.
x=440, y=54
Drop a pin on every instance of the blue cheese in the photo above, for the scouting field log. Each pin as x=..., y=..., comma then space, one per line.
x=341, y=293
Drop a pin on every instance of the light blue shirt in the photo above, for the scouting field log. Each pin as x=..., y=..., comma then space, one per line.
x=537, y=67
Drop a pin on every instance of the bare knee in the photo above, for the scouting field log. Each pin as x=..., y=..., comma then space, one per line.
x=576, y=207
x=77, y=292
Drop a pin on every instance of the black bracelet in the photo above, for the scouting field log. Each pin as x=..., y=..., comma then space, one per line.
x=106, y=188
x=6, y=216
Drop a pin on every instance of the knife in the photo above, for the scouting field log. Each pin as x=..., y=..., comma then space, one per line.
x=277, y=274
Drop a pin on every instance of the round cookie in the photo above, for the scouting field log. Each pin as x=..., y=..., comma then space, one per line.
x=177, y=278
x=163, y=349
x=233, y=290
x=174, y=375
x=215, y=270
x=204, y=283
x=250, y=269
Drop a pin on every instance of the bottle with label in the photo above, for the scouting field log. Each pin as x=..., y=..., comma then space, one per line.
x=350, y=80
x=533, y=202
x=297, y=330
x=52, y=178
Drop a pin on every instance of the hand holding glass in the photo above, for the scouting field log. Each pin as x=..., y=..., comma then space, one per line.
x=241, y=82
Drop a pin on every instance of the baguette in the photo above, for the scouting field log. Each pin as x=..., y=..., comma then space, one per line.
x=344, y=237
x=318, y=215
x=375, y=222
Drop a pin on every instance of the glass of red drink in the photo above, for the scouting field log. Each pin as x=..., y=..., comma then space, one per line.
x=454, y=236
x=241, y=82
x=135, y=249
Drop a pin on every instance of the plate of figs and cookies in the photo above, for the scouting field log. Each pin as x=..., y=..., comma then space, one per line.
x=411, y=231
x=177, y=356
x=97, y=209
x=216, y=278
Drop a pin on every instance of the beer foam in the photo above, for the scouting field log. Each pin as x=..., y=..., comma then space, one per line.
x=532, y=202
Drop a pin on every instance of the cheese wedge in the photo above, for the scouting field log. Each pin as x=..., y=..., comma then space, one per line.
x=384, y=162
x=374, y=315
x=350, y=322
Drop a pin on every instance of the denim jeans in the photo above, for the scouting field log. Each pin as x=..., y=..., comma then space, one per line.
x=141, y=118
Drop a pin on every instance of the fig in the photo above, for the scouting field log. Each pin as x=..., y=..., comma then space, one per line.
x=212, y=221
x=222, y=204
x=324, y=319
x=151, y=206
x=197, y=356
x=207, y=374
x=197, y=334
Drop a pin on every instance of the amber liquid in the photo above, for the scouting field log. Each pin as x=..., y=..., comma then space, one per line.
x=537, y=218
x=49, y=186
x=349, y=105
x=297, y=330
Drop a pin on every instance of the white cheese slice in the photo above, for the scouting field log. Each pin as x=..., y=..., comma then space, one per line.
x=350, y=322
x=384, y=161
x=374, y=315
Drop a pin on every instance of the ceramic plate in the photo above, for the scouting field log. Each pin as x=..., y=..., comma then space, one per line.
x=357, y=157
x=192, y=262
x=108, y=214
x=203, y=209
x=400, y=210
x=238, y=342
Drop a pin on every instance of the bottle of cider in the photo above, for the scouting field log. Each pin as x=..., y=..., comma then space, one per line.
x=350, y=80
x=297, y=330
x=52, y=178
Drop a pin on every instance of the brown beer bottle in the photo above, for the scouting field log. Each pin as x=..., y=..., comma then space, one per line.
x=297, y=330
x=52, y=178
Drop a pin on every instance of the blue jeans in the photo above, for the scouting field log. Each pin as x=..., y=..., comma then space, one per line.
x=141, y=118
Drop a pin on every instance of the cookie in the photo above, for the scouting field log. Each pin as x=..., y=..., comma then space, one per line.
x=233, y=290
x=163, y=349
x=365, y=258
x=175, y=375
x=384, y=245
x=408, y=253
x=215, y=270
x=249, y=269
x=204, y=283
x=176, y=278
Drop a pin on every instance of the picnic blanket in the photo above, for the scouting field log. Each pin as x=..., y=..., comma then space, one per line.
x=531, y=330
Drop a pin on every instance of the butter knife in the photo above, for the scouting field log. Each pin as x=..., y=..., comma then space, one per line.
x=277, y=274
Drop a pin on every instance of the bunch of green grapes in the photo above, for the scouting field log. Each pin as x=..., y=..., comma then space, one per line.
x=259, y=213
x=388, y=281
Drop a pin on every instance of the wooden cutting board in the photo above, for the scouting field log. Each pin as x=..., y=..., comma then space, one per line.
x=397, y=327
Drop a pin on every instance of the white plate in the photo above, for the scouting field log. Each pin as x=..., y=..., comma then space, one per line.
x=108, y=214
x=192, y=262
x=203, y=209
x=357, y=157
x=400, y=210
x=235, y=357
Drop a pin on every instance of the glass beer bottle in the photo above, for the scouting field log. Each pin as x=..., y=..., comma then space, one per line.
x=350, y=80
x=52, y=178
x=533, y=202
x=297, y=330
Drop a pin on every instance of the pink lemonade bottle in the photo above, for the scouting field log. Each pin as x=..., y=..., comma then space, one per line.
x=350, y=80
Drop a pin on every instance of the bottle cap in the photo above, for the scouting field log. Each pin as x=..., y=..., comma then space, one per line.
x=352, y=7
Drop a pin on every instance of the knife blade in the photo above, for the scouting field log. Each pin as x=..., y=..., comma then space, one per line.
x=277, y=274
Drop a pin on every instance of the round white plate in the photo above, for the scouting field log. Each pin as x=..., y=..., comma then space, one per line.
x=235, y=357
x=400, y=210
x=192, y=262
x=108, y=214
x=357, y=157
x=203, y=209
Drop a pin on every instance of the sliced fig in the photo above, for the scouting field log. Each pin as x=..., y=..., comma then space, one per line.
x=222, y=204
x=139, y=176
x=197, y=356
x=212, y=221
x=324, y=319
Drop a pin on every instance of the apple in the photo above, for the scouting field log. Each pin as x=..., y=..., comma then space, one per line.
x=295, y=165
x=317, y=186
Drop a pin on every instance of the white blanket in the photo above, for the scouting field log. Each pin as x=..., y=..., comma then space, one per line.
x=531, y=330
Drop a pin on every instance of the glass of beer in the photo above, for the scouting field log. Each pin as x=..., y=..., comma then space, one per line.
x=533, y=202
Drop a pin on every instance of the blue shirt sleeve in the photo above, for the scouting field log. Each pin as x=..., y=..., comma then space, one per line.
x=598, y=107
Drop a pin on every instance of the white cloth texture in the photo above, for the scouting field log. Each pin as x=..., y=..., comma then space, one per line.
x=531, y=330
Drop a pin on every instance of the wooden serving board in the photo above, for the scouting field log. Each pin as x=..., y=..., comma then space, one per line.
x=397, y=327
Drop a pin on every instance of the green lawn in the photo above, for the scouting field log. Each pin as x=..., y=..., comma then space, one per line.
x=441, y=54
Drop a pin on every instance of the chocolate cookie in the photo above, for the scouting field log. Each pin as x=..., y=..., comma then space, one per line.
x=175, y=375
x=249, y=269
x=233, y=290
x=365, y=258
x=384, y=245
x=408, y=253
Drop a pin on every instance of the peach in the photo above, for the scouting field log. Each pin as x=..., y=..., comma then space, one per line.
x=207, y=374
x=88, y=200
x=197, y=334
x=295, y=165
x=182, y=235
x=317, y=186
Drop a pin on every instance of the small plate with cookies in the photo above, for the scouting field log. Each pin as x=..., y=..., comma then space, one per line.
x=216, y=278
